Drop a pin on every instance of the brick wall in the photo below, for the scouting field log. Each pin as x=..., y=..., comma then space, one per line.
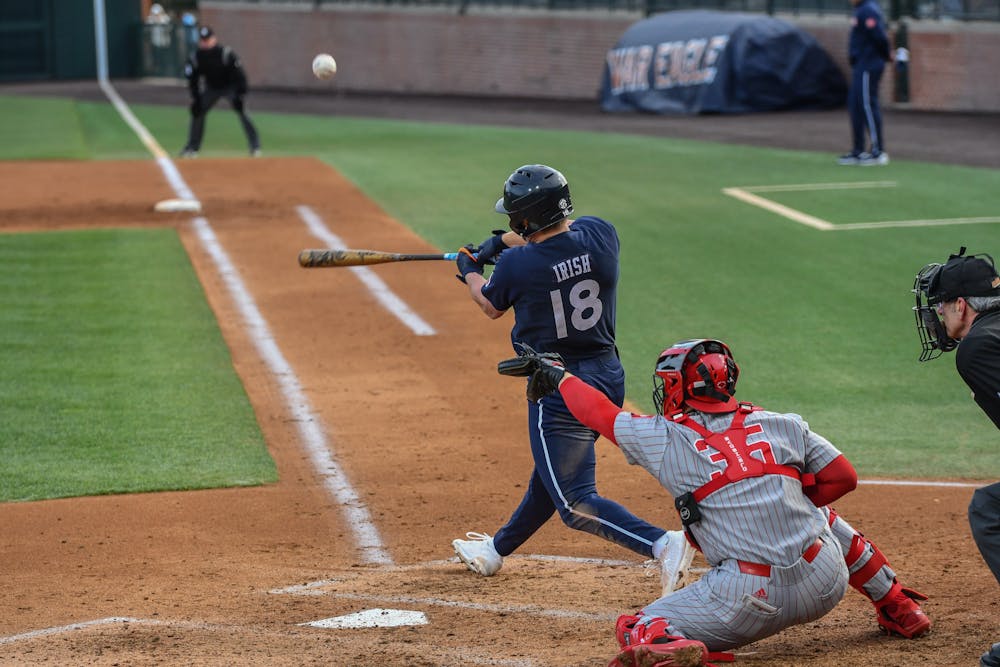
x=559, y=55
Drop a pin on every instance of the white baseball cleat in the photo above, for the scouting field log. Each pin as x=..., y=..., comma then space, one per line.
x=479, y=554
x=675, y=561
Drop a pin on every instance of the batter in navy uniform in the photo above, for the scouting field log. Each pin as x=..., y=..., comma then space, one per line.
x=958, y=306
x=868, y=52
x=224, y=76
x=559, y=276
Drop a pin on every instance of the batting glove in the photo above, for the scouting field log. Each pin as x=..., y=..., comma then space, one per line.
x=467, y=262
x=491, y=248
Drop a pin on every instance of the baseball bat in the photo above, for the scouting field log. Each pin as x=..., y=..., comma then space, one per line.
x=314, y=258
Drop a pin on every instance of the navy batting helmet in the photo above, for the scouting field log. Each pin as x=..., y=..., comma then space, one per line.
x=535, y=197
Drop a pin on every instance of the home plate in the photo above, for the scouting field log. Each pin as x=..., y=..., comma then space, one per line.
x=178, y=205
x=372, y=618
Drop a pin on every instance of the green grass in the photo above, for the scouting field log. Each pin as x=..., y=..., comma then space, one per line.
x=116, y=378
x=820, y=321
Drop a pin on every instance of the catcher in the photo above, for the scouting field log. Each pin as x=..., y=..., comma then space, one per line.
x=751, y=488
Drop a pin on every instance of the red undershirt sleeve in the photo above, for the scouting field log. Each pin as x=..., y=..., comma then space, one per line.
x=590, y=406
x=832, y=482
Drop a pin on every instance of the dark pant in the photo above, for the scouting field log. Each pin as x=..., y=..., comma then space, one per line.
x=862, y=103
x=984, y=519
x=564, y=480
x=208, y=99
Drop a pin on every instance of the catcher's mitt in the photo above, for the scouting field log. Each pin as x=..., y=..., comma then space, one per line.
x=545, y=370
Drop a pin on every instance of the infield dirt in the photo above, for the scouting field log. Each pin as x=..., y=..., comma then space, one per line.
x=434, y=443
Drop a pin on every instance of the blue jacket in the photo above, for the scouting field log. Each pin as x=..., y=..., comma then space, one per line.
x=869, y=42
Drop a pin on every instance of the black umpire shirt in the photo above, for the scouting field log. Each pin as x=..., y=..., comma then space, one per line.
x=978, y=362
x=220, y=66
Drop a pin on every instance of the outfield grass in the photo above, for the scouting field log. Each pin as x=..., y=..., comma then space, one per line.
x=820, y=321
x=115, y=376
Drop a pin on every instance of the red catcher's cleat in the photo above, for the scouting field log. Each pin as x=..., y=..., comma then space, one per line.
x=676, y=653
x=899, y=613
x=623, y=629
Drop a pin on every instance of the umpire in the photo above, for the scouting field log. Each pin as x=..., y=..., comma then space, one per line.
x=224, y=77
x=958, y=305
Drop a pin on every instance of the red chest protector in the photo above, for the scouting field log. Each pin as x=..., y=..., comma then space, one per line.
x=732, y=445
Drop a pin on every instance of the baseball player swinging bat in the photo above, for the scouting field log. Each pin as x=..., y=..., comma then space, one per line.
x=349, y=257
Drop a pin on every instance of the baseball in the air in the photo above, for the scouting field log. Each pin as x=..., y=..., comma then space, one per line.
x=324, y=66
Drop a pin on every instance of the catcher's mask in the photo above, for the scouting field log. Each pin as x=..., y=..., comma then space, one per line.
x=699, y=373
x=535, y=197
x=934, y=338
x=961, y=276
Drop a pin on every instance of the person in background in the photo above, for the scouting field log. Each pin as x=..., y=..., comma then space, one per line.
x=190, y=23
x=223, y=74
x=868, y=51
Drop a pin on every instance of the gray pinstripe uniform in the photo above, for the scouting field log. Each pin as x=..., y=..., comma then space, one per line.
x=765, y=520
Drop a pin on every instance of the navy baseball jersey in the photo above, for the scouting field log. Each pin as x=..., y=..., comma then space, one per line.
x=575, y=315
x=869, y=44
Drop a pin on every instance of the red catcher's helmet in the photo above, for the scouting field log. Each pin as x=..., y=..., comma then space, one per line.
x=699, y=373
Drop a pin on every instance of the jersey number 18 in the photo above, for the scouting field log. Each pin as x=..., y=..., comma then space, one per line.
x=584, y=296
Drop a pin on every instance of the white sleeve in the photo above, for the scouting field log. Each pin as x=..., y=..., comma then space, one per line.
x=643, y=439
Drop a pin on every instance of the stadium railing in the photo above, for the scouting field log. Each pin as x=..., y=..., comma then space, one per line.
x=957, y=10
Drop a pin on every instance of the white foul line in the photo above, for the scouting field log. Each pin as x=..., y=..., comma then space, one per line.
x=313, y=436
x=140, y=130
x=375, y=285
x=334, y=479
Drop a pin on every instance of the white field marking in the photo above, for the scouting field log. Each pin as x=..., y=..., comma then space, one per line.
x=356, y=514
x=375, y=285
x=45, y=632
x=111, y=620
x=745, y=194
x=311, y=588
x=359, y=520
x=315, y=587
x=915, y=223
x=780, y=209
x=803, y=187
x=372, y=618
x=392, y=618
x=140, y=130
x=911, y=482
x=530, y=610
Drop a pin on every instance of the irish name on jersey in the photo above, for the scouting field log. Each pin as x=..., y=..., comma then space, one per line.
x=572, y=267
